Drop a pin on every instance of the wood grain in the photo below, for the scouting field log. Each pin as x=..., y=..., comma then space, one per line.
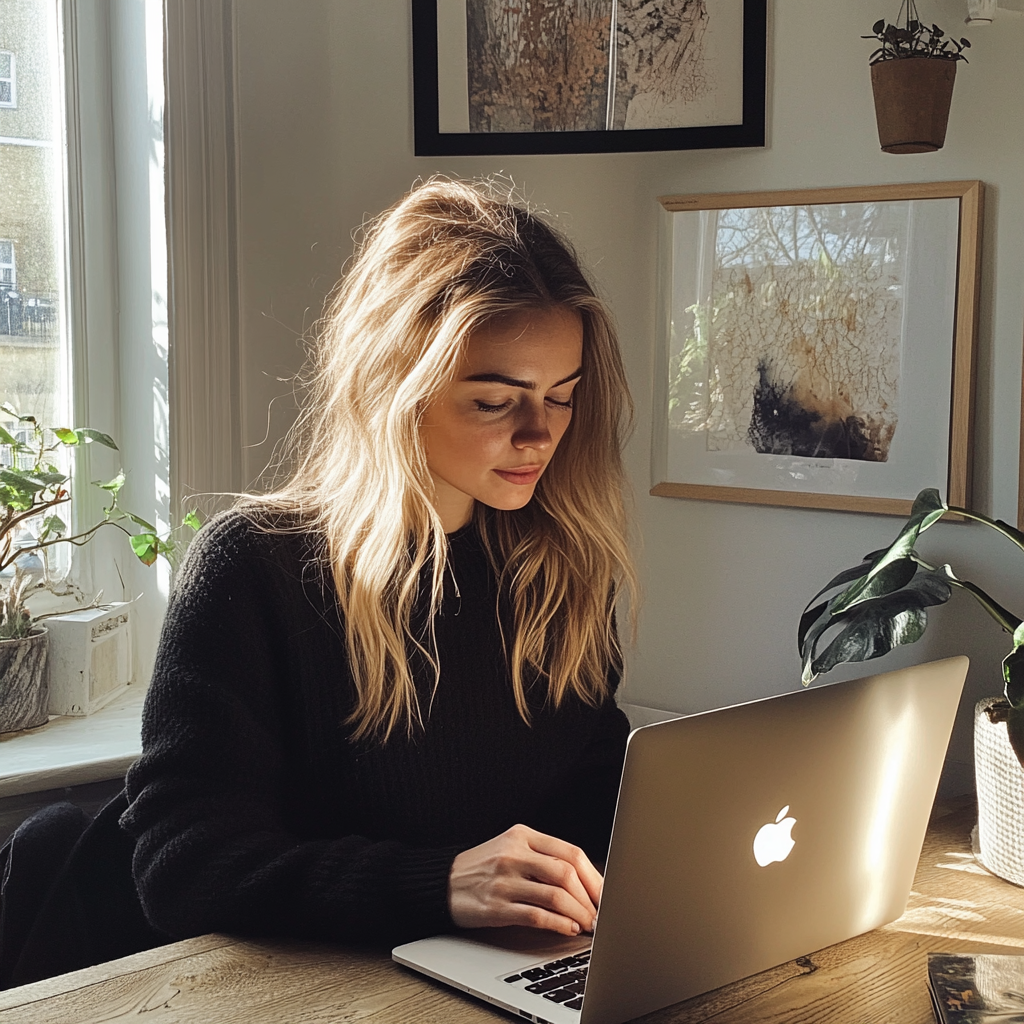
x=790, y=499
x=818, y=196
x=794, y=499
x=877, y=978
x=965, y=346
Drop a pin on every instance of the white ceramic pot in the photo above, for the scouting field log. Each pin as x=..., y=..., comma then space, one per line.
x=999, y=841
x=24, y=694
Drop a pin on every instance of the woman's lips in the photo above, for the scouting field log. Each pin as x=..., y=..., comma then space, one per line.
x=526, y=475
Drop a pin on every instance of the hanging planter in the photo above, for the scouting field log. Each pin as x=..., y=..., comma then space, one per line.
x=912, y=76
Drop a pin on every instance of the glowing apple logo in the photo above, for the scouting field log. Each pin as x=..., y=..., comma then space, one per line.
x=773, y=841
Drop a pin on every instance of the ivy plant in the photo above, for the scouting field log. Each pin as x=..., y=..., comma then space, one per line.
x=34, y=489
x=913, y=38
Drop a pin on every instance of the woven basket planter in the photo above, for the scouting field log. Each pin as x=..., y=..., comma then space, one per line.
x=912, y=98
x=999, y=843
x=24, y=694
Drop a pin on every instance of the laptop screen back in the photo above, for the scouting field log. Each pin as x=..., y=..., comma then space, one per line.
x=836, y=781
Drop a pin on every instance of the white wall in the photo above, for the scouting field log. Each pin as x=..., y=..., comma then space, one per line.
x=325, y=136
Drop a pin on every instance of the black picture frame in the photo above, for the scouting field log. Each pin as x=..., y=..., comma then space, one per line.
x=430, y=141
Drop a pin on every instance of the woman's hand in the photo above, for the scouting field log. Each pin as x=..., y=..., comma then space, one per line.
x=524, y=877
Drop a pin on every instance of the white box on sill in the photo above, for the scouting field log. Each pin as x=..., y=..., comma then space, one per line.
x=90, y=658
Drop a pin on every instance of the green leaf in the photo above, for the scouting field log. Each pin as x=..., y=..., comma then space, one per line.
x=139, y=521
x=53, y=526
x=871, y=635
x=29, y=481
x=145, y=546
x=7, y=438
x=1013, y=676
x=811, y=615
x=65, y=436
x=1018, y=636
x=87, y=434
x=114, y=485
x=192, y=519
x=10, y=498
x=874, y=628
x=895, y=568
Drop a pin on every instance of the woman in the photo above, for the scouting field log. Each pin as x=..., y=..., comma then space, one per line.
x=383, y=700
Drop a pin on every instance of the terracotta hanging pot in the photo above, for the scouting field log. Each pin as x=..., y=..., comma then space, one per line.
x=912, y=97
x=24, y=693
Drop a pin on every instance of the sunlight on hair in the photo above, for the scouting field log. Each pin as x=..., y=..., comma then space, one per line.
x=446, y=259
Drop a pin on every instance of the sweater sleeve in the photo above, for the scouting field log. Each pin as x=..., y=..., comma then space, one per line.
x=208, y=797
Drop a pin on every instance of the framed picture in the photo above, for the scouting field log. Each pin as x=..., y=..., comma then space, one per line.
x=817, y=347
x=587, y=76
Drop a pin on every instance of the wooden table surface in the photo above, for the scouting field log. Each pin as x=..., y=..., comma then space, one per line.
x=955, y=906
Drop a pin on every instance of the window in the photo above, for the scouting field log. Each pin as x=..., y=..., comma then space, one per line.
x=8, y=96
x=8, y=278
x=34, y=346
x=84, y=340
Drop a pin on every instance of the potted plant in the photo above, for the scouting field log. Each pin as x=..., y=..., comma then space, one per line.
x=912, y=76
x=33, y=487
x=868, y=610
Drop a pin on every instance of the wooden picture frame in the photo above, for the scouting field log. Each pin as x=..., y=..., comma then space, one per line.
x=463, y=104
x=802, y=364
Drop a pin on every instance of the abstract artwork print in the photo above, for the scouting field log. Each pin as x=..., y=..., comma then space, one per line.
x=589, y=65
x=795, y=346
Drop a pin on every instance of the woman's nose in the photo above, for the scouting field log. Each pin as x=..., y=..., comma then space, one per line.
x=532, y=430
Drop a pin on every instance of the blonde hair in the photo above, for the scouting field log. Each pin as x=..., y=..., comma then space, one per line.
x=445, y=260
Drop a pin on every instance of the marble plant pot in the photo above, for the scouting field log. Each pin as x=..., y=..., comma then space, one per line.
x=24, y=693
x=998, y=840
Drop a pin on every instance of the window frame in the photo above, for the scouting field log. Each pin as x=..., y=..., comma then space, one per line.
x=12, y=266
x=12, y=79
x=112, y=372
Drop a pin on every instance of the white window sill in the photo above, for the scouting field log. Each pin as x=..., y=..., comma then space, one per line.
x=73, y=751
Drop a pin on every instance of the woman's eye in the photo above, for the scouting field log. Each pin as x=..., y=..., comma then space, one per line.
x=561, y=405
x=484, y=407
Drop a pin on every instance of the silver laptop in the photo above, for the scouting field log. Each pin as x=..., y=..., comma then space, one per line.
x=743, y=838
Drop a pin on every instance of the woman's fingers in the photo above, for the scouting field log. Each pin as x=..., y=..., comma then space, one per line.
x=585, y=871
x=562, y=878
x=527, y=878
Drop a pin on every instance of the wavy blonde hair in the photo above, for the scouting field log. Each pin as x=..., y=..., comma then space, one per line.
x=445, y=260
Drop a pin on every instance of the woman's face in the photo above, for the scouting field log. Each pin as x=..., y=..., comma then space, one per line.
x=492, y=434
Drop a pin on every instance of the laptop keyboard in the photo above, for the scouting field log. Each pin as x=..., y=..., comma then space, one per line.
x=561, y=981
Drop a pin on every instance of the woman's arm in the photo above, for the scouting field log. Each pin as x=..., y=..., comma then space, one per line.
x=543, y=877
x=211, y=792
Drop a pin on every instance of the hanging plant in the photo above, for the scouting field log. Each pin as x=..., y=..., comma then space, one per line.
x=912, y=77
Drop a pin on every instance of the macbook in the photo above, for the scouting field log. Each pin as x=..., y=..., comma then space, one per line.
x=743, y=838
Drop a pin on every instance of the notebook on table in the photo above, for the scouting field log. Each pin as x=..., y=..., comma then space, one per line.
x=743, y=838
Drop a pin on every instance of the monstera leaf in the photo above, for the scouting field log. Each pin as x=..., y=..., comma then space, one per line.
x=872, y=628
x=872, y=608
x=882, y=605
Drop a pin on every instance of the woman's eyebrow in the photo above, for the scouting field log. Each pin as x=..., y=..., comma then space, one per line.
x=515, y=382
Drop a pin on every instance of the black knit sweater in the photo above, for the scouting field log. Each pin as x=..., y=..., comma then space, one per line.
x=253, y=809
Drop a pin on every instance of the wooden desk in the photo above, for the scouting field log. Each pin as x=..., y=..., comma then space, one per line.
x=879, y=977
